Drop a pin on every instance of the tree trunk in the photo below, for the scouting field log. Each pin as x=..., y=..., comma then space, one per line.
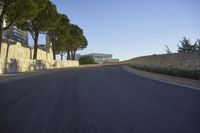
x=72, y=55
x=53, y=50
x=1, y=33
x=35, y=45
x=61, y=55
x=68, y=55
x=30, y=53
x=7, y=50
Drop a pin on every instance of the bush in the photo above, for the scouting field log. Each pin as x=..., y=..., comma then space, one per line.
x=87, y=60
x=192, y=74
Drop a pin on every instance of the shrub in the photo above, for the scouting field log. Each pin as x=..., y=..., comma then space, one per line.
x=192, y=74
x=86, y=60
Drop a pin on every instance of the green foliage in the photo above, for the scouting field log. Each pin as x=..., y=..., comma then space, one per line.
x=38, y=16
x=75, y=37
x=193, y=74
x=84, y=43
x=167, y=50
x=15, y=11
x=87, y=60
x=76, y=40
x=59, y=31
x=71, y=40
x=197, y=45
x=45, y=20
x=186, y=46
x=58, y=34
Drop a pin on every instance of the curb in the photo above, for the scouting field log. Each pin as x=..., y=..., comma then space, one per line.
x=130, y=70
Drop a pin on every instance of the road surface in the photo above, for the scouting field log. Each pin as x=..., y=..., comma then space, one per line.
x=97, y=100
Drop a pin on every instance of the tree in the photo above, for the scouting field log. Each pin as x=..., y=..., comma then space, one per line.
x=197, y=45
x=185, y=46
x=60, y=46
x=67, y=41
x=68, y=48
x=44, y=21
x=60, y=50
x=168, y=51
x=58, y=32
x=80, y=46
x=83, y=43
x=8, y=41
x=16, y=11
x=67, y=38
x=86, y=60
x=76, y=40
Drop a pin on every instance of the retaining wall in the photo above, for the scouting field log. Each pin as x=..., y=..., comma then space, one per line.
x=20, y=59
x=17, y=51
x=15, y=65
x=187, y=61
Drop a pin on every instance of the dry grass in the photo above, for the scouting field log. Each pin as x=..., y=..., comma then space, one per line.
x=195, y=84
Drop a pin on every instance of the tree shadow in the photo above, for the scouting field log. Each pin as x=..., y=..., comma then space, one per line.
x=11, y=66
x=15, y=66
x=37, y=65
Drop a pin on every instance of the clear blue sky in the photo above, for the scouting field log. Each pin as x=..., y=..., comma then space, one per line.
x=131, y=28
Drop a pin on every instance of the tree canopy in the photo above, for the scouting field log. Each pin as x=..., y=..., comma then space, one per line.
x=41, y=16
x=17, y=11
x=46, y=19
x=72, y=40
x=186, y=46
x=197, y=45
x=58, y=33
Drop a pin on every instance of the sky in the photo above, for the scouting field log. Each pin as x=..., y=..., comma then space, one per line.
x=132, y=28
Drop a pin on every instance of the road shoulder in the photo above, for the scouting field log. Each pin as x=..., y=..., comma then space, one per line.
x=190, y=83
x=4, y=78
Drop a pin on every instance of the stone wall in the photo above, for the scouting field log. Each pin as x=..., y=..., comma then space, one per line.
x=15, y=65
x=20, y=60
x=188, y=61
x=17, y=51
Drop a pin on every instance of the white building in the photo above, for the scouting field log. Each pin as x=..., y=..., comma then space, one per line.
x=103, y=58
x=15, y=34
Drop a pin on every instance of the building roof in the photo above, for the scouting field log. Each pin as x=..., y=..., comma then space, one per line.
x=100, y=54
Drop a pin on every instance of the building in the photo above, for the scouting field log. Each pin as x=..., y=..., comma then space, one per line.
x=15, y=34
x=103, y=58
x=111, y=61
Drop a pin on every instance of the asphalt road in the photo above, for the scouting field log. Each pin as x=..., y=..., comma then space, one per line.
x=97, y=100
